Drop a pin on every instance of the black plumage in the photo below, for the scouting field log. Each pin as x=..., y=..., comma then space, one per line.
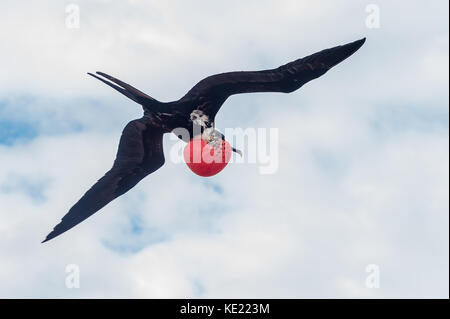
x=140, y=150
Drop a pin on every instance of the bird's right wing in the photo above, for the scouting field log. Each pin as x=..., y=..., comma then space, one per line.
x=210, y=93
x=140, y=153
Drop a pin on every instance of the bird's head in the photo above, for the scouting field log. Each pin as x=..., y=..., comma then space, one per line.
x=208, y=133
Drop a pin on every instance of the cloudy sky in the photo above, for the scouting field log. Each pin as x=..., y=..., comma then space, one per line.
x=361, y=191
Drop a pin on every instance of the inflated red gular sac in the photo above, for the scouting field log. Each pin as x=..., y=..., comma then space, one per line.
x=207, y=159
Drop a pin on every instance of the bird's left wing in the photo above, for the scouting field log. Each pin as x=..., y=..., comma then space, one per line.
x=140, y=153
x=209, y=94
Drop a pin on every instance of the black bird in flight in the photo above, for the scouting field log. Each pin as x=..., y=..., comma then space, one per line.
x=140, y=150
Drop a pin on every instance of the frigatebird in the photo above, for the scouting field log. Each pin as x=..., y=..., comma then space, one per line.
x=140, y=151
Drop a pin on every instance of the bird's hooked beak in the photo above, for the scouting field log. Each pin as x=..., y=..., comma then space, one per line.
x=211, y=135
x=236, y=151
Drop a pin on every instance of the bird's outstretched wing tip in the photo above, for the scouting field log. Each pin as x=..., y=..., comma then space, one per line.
x=333, y=56
x=46, y=238
x=355, y=45
x=50, y=236
x=360, y=42
x=57, y=230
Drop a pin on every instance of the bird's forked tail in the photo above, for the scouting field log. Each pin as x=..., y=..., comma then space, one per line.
x=126, y=89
